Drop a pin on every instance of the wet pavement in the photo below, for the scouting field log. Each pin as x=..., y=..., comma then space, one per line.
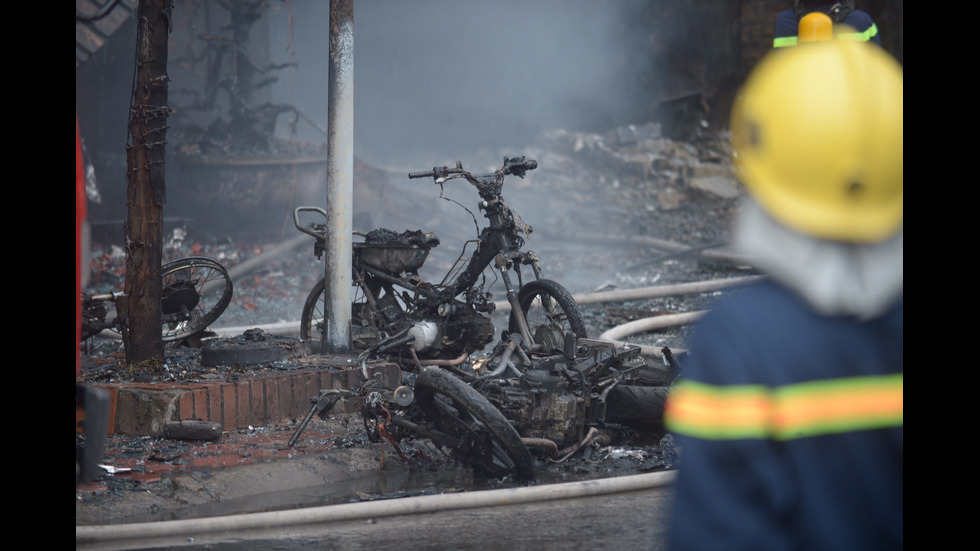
x=136, y=460
x=149, y=478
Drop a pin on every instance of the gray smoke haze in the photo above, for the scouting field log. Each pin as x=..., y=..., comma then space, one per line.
x=448, y=76
x=435, y=81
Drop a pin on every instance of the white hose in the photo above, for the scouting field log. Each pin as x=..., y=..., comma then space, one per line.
x=658, y=291
x=690, y=288
x=616, y=334
x=612, y=335
x=374, y=509
x=650, y=324
x=654, y=323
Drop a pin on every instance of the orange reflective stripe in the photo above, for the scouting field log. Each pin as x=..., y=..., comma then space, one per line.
x=840, y=405
x=794, y=411
x=718, y=412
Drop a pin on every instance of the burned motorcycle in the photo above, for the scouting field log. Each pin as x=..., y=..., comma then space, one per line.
x=544, y=386
x=448, y=320
x=506, y=415
x=591, y=392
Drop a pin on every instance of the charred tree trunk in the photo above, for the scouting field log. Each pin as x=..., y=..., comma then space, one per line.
x=146, y=191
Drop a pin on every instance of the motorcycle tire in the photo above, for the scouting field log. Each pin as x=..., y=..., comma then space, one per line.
x=488, y=442
x=636, y=404
x=567, y=317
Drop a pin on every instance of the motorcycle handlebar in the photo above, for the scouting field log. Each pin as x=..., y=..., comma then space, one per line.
x=437, y=172
x=517, y=166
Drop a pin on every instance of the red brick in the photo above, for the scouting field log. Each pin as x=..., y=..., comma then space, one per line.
x=214, y=404
x=243, y=415
x=349, y=378
x=200, y=403
x=113, y=399
x=229, y=406
x=124, y=463
x=265, y=454
x=316, y=382
x=185, y=406
x=312, y=383
x=257, y=414
x=273, y=401
x=299, y=390
x=156, y=468
x=144, y=478
x=215, y=461
x=91, y=487
x=328, y=378
x=303, y=390
x=287, y=400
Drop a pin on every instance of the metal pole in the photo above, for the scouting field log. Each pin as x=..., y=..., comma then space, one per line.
x=340, y=180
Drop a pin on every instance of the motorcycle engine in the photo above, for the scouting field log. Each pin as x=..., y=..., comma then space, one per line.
x=463, y=329
x=542, y=404
x=561, y=397
x=468, y=329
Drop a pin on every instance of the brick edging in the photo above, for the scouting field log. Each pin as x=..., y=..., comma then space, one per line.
x=264, y=398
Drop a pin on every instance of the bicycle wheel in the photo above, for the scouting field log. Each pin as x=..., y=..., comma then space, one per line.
x=311, y=323
x=94, y=314
x=487, y=441
x=196, y=291
x=550, y=311
x=366, y=328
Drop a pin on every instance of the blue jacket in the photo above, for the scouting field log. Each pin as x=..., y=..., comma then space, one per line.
x=789, y=426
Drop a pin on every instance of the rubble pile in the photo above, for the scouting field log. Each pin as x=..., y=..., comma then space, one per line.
x=640, y=183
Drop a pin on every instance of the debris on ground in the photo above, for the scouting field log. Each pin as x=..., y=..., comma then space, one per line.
x=590, y=201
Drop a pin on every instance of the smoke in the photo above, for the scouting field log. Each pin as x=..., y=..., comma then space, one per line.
x=448, y=76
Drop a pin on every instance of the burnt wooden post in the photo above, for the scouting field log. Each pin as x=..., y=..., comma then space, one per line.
x=145, y=190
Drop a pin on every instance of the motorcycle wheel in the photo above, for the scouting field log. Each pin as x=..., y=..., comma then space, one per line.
x=196, y=291
x=636, y=404
x=550, y=311
x=488, y=442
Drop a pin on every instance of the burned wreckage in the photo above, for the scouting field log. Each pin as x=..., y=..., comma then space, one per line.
x=543, y=390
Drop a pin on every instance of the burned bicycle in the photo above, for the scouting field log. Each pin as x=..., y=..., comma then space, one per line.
x=195, y=292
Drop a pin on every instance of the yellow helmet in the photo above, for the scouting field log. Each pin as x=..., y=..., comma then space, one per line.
x=815, y=27
x=817, y=140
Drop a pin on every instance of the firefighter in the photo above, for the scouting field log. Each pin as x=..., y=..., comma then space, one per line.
x=860, y=26
x=788, y=412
